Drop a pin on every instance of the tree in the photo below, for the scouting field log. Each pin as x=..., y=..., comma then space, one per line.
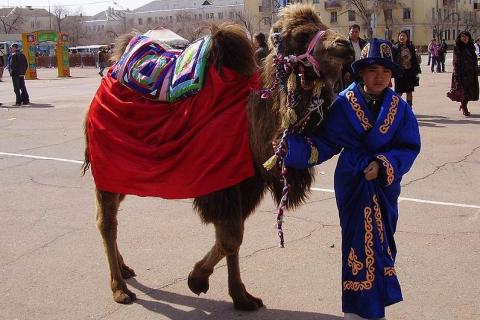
x=369, y=10
x=60, y=13
x=73, y=25
x=11, y=20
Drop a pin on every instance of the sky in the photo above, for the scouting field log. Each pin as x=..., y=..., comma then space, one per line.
x=87, y=7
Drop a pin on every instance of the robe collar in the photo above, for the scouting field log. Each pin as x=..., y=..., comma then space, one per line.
x=361, y=117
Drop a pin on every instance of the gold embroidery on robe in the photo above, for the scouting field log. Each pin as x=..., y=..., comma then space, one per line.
x=358, y=110
x=353, y=262
x=370, y=258
x=389, y=271
x=391, y=115
x=389, y=168
x=378, y=217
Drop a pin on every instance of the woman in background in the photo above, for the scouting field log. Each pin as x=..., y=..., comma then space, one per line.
x=464, y=85
x=404, y=55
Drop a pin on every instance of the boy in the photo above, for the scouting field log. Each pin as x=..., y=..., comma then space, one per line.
x=378, y=137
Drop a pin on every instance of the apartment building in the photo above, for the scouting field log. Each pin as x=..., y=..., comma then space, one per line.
x=185, y=16
x=26, y=19
x=383, y=18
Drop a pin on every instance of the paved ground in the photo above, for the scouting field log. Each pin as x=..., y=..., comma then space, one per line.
x=52, y=264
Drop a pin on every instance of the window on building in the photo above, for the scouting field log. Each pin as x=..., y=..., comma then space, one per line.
x=230, y=15
x=315, y=1
x=351, y=15
x=171, y=18
x=212, y=16
x=453, y=36
x=407, y=14
x=156, y=19
x=220, y=15
x=333, y=17
x=199, y=16
x=149, y=20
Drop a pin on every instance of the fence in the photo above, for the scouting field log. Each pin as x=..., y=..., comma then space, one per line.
x=75, y=60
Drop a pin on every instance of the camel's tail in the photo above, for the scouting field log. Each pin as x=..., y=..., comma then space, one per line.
x=86, y=161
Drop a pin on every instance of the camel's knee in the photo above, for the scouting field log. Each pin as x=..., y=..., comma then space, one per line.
x=107, y=207
x=229, y=242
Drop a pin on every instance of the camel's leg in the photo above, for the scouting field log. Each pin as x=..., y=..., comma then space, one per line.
x=229, y=236
x=126, y=271
x=107, y=208
x=241, y=298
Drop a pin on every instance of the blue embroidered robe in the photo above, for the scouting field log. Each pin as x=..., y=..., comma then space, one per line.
x=368, y=209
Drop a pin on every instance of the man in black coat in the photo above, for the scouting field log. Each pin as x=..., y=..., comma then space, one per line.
x=357, y=44
x=18, y=68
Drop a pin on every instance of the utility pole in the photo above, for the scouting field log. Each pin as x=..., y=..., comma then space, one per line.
x=49, y=15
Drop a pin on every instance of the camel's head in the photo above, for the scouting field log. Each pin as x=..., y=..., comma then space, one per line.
x=305, y=36
x=312, y=54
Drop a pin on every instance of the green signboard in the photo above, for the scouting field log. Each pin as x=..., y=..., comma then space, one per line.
x=47, y=36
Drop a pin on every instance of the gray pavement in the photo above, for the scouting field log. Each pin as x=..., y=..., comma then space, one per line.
x=52, y=264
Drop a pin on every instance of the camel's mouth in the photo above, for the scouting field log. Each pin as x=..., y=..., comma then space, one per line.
x=307, y=77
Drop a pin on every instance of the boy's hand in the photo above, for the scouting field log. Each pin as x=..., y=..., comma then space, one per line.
x=371, y=171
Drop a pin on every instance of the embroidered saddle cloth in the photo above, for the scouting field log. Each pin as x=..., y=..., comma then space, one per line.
x=161, y=73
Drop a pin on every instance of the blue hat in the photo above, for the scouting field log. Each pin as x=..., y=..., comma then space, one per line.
x=377, y=51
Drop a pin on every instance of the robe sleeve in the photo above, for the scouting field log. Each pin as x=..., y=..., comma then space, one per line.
x=403, y=150
x=329, y=140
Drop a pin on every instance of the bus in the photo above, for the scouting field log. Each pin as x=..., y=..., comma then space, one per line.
x=84, y=50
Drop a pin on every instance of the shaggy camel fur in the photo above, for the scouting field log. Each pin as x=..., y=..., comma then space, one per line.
x=227, y=209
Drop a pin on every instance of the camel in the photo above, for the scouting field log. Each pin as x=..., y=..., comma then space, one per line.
x=305, y=60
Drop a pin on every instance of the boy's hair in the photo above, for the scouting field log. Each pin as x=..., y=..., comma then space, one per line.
x=354, y=26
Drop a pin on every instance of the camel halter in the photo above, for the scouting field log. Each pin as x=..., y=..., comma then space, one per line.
x=308, y=53
x=284, y=66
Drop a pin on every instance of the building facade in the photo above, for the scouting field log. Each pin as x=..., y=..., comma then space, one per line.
x=424, y=20
x=185, y=16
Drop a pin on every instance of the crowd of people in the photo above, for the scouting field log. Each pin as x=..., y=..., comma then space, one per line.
x=464, y=83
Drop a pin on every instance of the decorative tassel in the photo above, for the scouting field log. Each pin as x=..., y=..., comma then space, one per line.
x=292, y=82
x=313, y=154
x=289, y=118
x=270, y=163
x=317, y=89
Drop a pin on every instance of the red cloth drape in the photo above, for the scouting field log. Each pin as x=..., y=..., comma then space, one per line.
x=180, y=150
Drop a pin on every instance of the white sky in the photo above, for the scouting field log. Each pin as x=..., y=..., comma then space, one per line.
x=87, y=7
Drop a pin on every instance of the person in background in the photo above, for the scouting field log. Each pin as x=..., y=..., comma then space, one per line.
x=442, y=55
x=433, y=51
x=464, y=85
x=404, y=55
x=18, y=67
x=477, y=46
x=377, y=136
x=261, y=48
x=102, y=60
x=2, y=65
x=357, y=44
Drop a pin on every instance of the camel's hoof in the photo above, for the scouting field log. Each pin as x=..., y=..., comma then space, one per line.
x=124, y=297
x=247, y=302
x=198, y=284
x=127, y=272
x=248, y=305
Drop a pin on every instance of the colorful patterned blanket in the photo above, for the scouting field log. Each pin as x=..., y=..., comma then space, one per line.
x=158, y=72
x=175, y=150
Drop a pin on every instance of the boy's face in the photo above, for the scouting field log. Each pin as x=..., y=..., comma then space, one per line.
x=376, y=78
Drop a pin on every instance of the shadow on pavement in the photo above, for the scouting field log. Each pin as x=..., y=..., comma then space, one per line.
x=31, y=105
x=441, y=121
x=191, y=307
